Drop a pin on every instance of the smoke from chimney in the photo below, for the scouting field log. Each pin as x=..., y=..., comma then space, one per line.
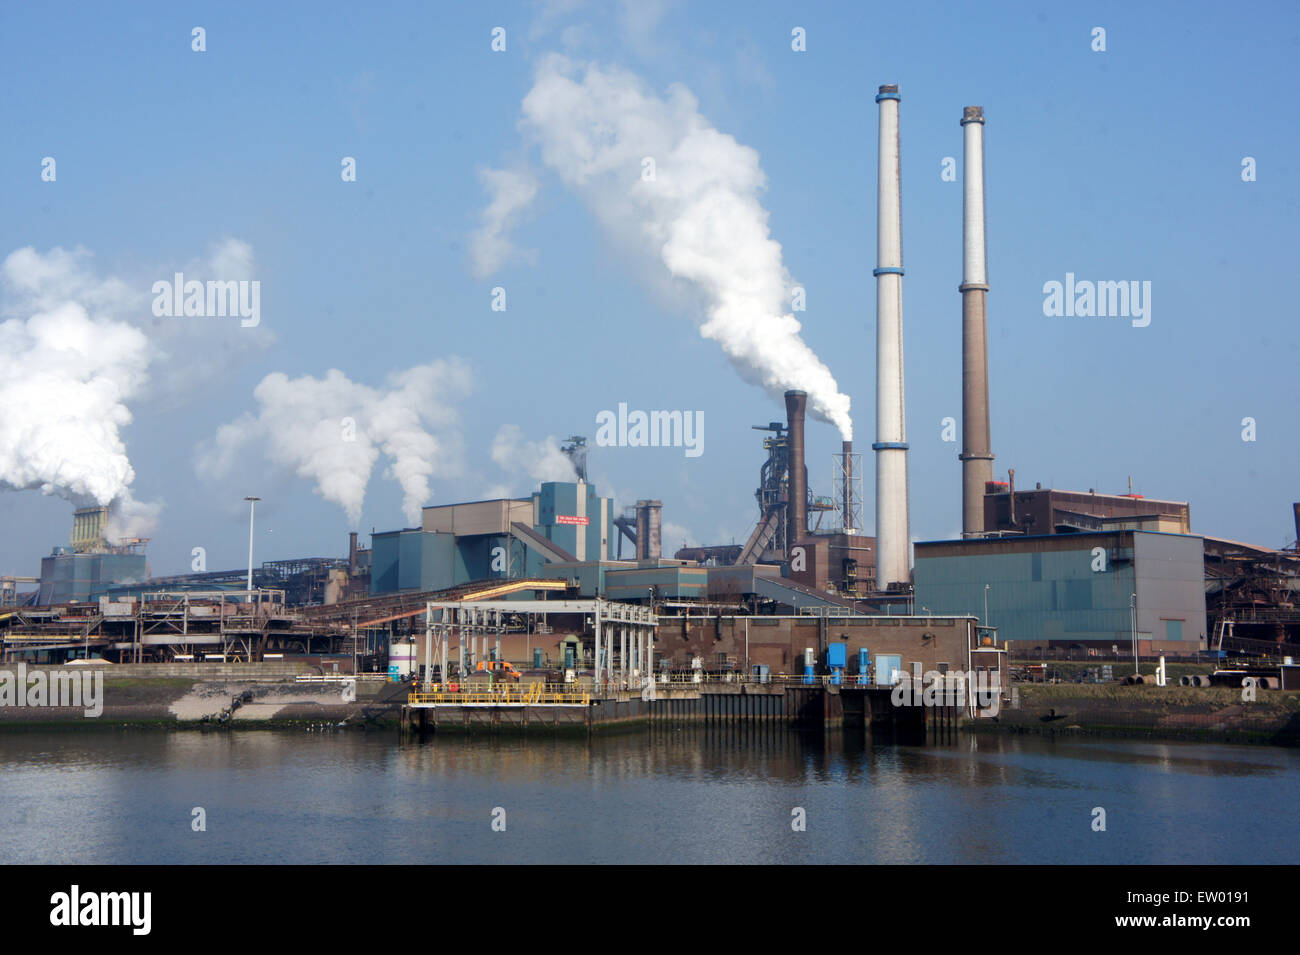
x=694, y=210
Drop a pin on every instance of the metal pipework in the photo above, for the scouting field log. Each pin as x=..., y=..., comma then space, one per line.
x=976, y=456
x=892, y=562
x=796, y=405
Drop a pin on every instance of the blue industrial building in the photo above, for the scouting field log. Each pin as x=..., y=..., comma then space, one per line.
x=67, y=576
x=90, y=565
x=1066, y=589
x=504, y=538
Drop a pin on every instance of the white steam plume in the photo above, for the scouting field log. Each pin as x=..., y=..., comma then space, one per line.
x=332, y=430
x=80, y=350
x=69, y=377
x=512, y=192
x=699, y=215
x=536, y=460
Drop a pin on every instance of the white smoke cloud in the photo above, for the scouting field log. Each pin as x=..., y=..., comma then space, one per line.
x=332, y=430
x=128, y=517
x=228, y=260
x=71, y=372
x=511, y=193
x=80, y=349
x=700, y=215
x=673, y=537
x=535, y=460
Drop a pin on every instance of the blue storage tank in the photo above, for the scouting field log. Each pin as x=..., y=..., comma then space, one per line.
x=837, y=656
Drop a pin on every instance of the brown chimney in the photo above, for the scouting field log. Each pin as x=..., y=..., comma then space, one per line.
x=796, y=528
x=649, y=530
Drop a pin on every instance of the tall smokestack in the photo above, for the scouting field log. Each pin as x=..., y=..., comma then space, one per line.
x=1295, y=508
x=846, y=472
x=892, y=564
x=655, y=529
x=977, y=455
x=649, y=529
x=796, y=527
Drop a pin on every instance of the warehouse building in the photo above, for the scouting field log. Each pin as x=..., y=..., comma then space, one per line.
x=1063, y=590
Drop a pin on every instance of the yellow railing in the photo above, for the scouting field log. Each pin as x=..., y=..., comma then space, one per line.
x=516, y=695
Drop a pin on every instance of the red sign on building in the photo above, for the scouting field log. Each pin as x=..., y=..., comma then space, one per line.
x=570, y=519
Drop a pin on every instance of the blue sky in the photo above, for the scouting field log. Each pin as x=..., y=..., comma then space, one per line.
x=1117, y=165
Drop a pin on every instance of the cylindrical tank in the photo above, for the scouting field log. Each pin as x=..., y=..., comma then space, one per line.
x=401, y=660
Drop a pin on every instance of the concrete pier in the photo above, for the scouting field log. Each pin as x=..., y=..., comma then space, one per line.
x=797, y=706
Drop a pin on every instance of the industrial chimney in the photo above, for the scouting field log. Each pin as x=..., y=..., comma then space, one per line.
x=977, y=455
x=796, y=525
x=892, y=564
x=846, y=473
x=1295, y=509
x=649, y=529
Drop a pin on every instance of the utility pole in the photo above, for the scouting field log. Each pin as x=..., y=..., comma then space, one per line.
x=252, y=503
x=1132, y=612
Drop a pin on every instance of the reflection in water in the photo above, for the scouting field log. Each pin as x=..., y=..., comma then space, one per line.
x=668, y=794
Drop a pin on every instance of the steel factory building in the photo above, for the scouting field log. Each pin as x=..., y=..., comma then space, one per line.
x=90, y=565
x=564, y=521
x=1075, y=588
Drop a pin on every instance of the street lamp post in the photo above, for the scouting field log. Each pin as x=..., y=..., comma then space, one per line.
x=986, y=605
x=1132, y=613
x=252, y=503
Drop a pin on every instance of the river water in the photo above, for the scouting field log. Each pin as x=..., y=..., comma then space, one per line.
x=661, y=796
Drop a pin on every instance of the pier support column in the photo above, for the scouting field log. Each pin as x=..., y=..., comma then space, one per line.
x=595, y=663
x=460, y=650
x=442, y=636
x=622, y=656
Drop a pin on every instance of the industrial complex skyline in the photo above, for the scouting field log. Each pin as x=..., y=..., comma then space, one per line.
x=457, y=278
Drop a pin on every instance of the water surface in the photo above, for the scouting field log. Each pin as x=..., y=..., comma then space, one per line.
x=683, y=796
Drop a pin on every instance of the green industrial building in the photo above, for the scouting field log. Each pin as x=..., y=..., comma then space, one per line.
x=1062, y=590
